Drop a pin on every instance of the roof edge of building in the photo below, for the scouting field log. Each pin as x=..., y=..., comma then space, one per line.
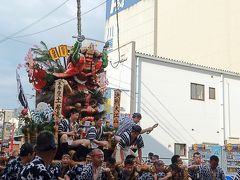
x=187, y=64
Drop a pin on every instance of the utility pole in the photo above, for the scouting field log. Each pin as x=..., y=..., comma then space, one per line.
x=79, y=18
x=79, y=23
x=2, y=119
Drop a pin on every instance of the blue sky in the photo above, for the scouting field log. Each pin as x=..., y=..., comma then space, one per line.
x=15, y=15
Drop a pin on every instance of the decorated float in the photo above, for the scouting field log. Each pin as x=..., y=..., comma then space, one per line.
x=64, y=78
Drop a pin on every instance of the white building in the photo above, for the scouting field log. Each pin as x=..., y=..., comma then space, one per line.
x=201, y=32
x=191, y=103
x=8, y=115
x=195, y=100
x=7, y=120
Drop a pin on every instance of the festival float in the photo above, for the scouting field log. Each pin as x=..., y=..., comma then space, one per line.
x=64, y=78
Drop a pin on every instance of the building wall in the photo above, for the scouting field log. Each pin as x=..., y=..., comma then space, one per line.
x=119, y=74
x=166, y=99
x=202, y=32
x=10, y=116
x=135, y=24
x=232, y=102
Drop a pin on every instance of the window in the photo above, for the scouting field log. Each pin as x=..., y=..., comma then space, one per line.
x=180, y=149
x=197, y=91
x=212, y=93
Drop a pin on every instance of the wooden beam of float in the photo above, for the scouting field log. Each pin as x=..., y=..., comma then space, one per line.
x=116, y=107
x=58, y=98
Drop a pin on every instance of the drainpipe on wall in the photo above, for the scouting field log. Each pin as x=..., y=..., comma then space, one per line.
x=229, y=113
x=223, y=110
x=139, y=80
x=133, y=80
x=155, y=37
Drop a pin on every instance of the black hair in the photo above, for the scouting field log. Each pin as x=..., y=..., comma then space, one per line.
x=71, y=111
x=97, y=117
x=214, y=158
x=45, y=142
x=66, y=154
x=136, y=128
x=130, y=156
x=111, y=161
x=196, y=153
x=136, y=115
x=93, y=151
x=129, y=161
x=76, y=158
x=150, y=154
x=158, y=163
x=25, y=149
x=174, y=159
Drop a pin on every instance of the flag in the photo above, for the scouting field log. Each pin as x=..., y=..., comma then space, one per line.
x=21, y=96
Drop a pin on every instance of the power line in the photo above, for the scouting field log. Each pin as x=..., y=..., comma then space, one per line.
x=44, y=30
x=168, y=111
x=65, y=22
x=162, y=126
x=118, y=80
x=19, y=41
x=167, y=123
x=166, y=129
x=156, y=116
x=118, y=39
x=33, y=23
x=151, y=117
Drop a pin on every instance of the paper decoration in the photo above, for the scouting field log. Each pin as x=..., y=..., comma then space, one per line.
x=63, y=50
x=54, y=53
x=116, y=108
x=59, y=84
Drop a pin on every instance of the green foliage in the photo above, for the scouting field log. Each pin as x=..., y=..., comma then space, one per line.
x=42, y=57
x=33, y=127
x=49, y=78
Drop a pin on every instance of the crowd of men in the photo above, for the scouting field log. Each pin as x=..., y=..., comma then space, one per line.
x=37, y=163
x=117, y=143
x=94, y=158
